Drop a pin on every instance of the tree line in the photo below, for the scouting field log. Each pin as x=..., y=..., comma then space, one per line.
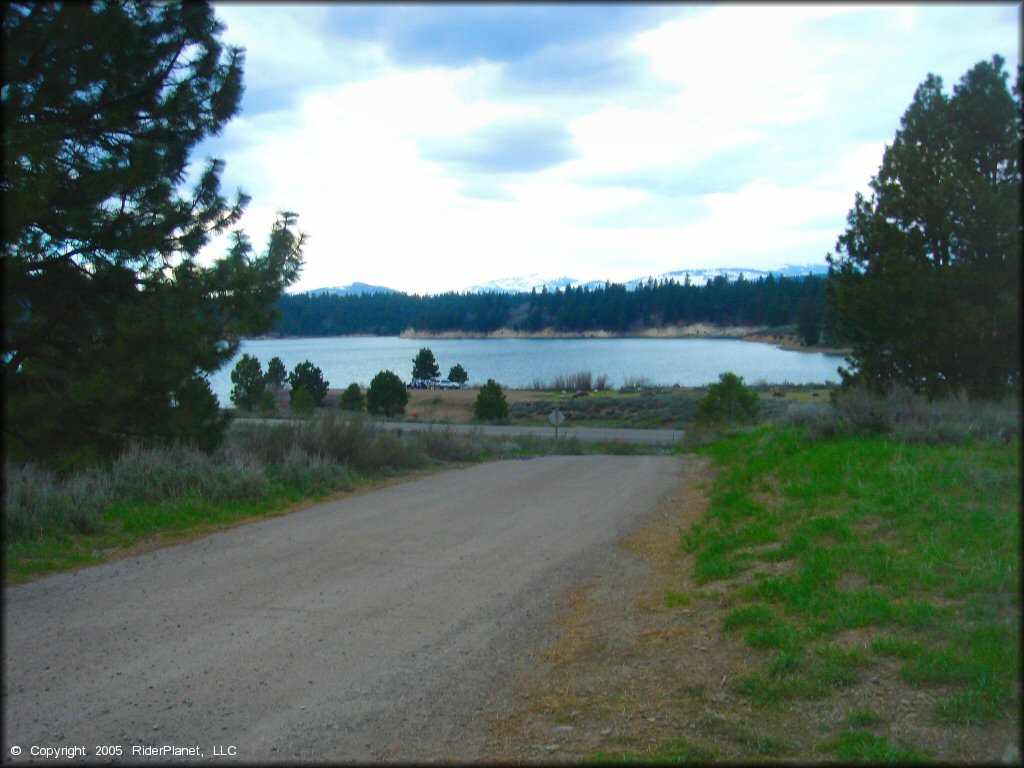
x=768, y=301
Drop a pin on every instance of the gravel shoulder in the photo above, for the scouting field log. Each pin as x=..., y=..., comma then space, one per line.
x=373, y=627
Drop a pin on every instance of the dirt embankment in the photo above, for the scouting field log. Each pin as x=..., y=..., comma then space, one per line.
x=694, y=330
x=791, y=342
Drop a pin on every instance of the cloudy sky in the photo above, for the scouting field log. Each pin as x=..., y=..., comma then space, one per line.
x=432, y=147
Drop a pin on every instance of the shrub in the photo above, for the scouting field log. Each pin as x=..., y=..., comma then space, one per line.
x=248, y=381
x=268, y=404
x=447, y=445
x=310, y=378
x=302, y=402
x=636, y=382
x=386, y=450
x=912, y=418
x=728, y=400
x=313, y=473
x=38, y=503
x=237, y=477
x=581, y=381
x=352, y=398
x=386, y=394
x=270, y=444
x=491, y=404
x=152, y=473
x=332, y=436
x=820, y=419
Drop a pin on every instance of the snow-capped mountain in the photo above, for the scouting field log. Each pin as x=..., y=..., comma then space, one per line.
x=352, y=289
x=523, y=284
x=703, y=276
x=697, y=277
x=526, y=283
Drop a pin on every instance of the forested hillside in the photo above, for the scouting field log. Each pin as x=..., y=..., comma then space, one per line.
x=767, y=301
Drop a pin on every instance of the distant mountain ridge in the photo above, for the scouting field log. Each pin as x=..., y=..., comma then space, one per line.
x=352, y=289
x=526, y=283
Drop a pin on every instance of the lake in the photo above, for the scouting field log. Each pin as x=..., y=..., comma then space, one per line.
x=516, y=363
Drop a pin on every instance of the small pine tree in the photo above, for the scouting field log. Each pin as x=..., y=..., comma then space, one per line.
x=424, y=366
x=491, y=404
x=310, y=378
x=267, y=402
x=277, y=374
x=386, y=394
x=248, y=381
x=302, y=402
x=458, y=374
x=728, y=400
x=352, y=399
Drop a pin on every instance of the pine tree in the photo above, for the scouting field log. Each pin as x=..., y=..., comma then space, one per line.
x=111, y=324
x=458, y=374
x=925, y=285
x=386, y=395
x=277, y=374
x=352, y=398
x=424, y=366
x=249, y=383
x=491, y=404
x=308, y=378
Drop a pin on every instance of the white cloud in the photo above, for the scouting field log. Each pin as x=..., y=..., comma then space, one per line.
x=771, y=118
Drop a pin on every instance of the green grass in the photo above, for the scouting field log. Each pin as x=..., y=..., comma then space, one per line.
x=128, y=522
x=914, y=545
x=674, y=598
x=863, y=746
x=863, y=718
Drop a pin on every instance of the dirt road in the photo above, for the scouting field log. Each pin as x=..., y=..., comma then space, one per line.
x=375, y=627
x=583, y=434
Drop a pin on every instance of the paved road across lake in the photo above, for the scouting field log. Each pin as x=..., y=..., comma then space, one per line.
x=374, y=627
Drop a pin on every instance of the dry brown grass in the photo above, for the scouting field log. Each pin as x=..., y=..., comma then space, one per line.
x=456, y=405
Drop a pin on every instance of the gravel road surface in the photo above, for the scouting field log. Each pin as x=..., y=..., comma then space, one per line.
x=374, y=627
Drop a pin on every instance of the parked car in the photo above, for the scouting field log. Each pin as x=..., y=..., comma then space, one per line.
x=446, y=384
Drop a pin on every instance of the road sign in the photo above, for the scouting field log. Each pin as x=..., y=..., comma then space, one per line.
x=556, y=417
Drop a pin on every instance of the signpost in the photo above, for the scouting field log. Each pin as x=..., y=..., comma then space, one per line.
x=556, y=417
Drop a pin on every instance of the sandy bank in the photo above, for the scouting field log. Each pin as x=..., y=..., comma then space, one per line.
x=758, y=334
x=696, y=330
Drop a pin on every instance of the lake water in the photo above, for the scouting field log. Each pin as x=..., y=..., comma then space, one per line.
x=516, y=363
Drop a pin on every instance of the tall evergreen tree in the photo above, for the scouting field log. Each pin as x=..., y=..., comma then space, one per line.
x=249, y=383
x=111, y=325
x=424, y=366
x=926, y=281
